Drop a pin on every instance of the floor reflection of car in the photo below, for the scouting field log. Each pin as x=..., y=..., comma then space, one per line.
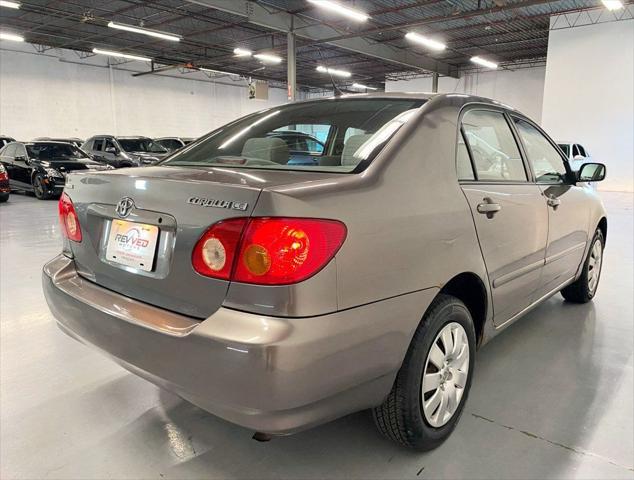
x=171, y=144
x=281, y=296
x=123, y=152
x=304, y=149
x=72, y=140
x=5, y=188
x=41, y=167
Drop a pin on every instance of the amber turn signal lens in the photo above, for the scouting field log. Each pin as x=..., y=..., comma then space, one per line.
x=257, y=259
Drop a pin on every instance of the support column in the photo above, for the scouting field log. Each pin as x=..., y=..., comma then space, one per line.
x=434, y=83
x=292, y=67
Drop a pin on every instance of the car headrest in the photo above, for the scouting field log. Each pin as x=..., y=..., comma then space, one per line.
x=350, y=148
x=272, y=149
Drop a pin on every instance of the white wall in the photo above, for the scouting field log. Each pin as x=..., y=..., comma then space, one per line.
x=589, y=94
x=57, y=94
x=522, y=89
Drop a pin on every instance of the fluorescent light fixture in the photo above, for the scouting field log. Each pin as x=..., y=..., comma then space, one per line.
x=423, y=40
x=334, y=71
x=613, y=4
x=268, y=58
x=341, y=10
x=111, y=53
x=219, y=72
x=4, y=3
x=11, y=36
x=145, y=31
x=484, y=62
x=242, y=52
x=363, y=87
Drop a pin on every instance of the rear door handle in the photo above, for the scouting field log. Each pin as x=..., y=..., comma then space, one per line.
x=553, y=201
x=489, y=207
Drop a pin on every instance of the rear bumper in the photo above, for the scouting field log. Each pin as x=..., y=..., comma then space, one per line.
x=268, y=374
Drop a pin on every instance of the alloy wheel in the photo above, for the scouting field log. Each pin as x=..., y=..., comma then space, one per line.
x=594, y=265
x=445, y=374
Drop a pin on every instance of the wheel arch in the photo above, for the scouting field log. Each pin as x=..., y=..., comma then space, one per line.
x=470, y=289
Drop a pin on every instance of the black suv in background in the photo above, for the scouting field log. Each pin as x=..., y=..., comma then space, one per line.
x=72, y=140
x=41, y=167
x=124, y=151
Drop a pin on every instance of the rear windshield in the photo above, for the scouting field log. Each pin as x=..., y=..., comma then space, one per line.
x=340, y=135
x=141, y=145
x=50, y=151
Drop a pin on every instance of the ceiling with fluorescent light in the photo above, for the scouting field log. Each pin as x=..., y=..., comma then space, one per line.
x=513, y=33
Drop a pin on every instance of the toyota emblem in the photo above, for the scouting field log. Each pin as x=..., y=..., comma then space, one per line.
x=124, y=207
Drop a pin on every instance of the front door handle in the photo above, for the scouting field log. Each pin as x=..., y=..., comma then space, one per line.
x=489, y=207
x=553, y=201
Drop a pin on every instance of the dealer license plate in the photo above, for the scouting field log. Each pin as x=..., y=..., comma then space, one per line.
x=132, y=244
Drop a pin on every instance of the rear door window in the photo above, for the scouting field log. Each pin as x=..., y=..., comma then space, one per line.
x=97, y=144
x=495, y=153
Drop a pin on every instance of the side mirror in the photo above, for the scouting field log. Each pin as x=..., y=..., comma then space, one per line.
x=578, y=157
x=591, y=172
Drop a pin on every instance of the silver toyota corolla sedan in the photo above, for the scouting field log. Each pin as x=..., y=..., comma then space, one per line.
x=280, y=294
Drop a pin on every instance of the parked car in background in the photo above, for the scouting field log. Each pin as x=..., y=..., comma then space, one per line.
x=171, y=144
x=282, y=296
x=123, y=152
x=5, y=188
x=305, y=149
x=41, y=167
x=72, y=140
x=5, y=140
x=577, y=155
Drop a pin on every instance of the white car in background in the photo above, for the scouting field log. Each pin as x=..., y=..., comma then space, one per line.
x=577, y=155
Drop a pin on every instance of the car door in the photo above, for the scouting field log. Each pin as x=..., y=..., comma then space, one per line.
x=508, y=209
x=568, y=207
x=21, y=170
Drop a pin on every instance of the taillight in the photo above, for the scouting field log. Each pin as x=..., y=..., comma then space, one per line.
x=68, y=219
x=215, y=252
x=272, y=251
x=3, y=175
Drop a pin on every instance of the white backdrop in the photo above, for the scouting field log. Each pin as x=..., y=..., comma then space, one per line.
x=58, y=94
x=521, y=89
x=589, y=95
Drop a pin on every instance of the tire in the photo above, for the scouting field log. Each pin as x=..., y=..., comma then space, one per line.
x=402, y=417
x=39, y=189
x=4, y=197
x=585, y=287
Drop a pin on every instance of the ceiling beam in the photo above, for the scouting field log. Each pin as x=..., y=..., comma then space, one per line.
x=285, y=22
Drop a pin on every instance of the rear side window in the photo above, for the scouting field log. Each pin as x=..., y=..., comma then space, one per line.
x=544, y=158
x=496, y=155
x=9, y=151
x=98, y=144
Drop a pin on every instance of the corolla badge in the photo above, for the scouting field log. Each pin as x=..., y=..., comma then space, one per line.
x=212, y=202
x=124, y=207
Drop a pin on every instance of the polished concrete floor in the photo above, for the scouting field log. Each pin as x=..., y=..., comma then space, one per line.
x=552, y=396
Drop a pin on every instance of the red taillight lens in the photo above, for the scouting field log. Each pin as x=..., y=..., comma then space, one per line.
x=214, y=254
x=68, y=219
x=4, y=176
x=272, y=251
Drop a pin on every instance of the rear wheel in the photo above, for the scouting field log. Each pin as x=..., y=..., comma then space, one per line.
x=584, y=289
x=39, y=188
x=433, y=383
x=4, y=197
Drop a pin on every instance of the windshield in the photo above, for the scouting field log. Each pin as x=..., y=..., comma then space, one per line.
x=341, y=135
x=566, y=148
x=140, y=145
x=49, y=151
